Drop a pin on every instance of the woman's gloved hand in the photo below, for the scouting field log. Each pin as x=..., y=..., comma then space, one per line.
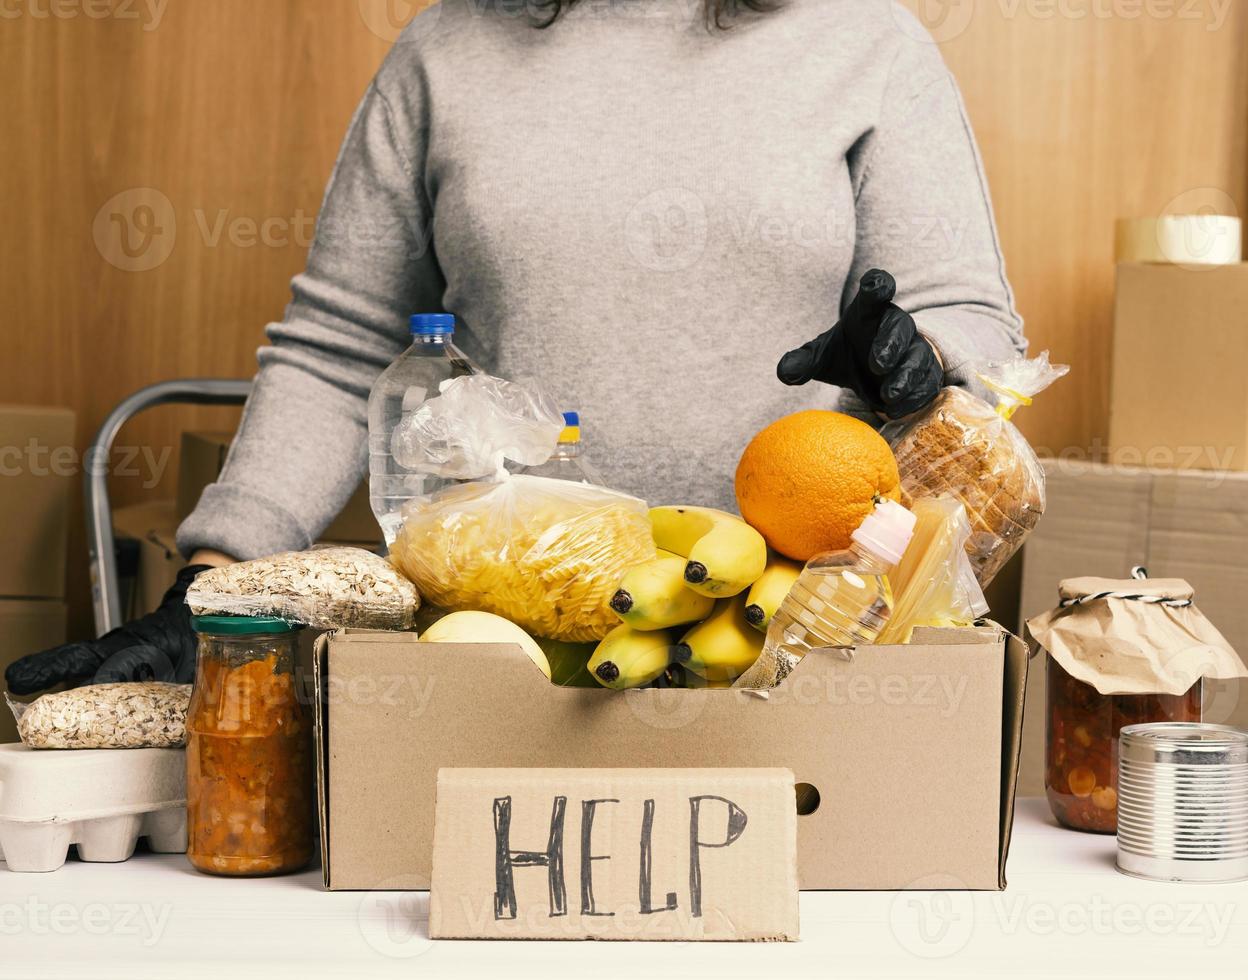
x=875, y=351
x=159, y=646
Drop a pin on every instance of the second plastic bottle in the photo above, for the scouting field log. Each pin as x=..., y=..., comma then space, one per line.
x=842, y=598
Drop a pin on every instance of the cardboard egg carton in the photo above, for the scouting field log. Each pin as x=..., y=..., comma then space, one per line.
x=102, y=800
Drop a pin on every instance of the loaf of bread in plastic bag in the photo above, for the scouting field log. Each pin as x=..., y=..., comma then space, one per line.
x=966, y=449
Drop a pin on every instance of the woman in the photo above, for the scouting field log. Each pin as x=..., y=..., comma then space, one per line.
x=643, y=203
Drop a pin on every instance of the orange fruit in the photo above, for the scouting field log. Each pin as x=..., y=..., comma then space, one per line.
x=807, y=481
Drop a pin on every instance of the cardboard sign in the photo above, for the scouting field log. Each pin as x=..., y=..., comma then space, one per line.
x=639, y=854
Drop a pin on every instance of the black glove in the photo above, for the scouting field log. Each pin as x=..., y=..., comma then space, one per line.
x=875, y=351
x=160, y=646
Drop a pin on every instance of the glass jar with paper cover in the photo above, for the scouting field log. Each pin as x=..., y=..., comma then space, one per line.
x=967, y=449
x=1120, y=652
x=546, y=554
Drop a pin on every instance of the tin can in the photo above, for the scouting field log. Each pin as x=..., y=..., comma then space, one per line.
x=1183, y=802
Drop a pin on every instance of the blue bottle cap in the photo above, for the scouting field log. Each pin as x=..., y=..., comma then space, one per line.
x=572, y=418
x=432, y=324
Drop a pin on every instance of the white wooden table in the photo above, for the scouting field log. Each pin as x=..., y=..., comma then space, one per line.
x=1066, y=914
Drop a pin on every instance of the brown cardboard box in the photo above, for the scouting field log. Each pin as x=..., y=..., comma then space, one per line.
x=592, y=854
x=38, y=469
x=26, y=626
x=912, y=750
x=1180, y=404
x=203, y=456
x=1103, y=520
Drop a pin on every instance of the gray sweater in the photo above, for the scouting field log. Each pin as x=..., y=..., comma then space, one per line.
x=643, y=215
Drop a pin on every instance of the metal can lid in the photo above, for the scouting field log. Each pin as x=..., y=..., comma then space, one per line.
x=1184, y=743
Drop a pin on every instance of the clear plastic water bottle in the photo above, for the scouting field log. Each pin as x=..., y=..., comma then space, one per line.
x=402, y=388
x=842, y=598
x=568, y=462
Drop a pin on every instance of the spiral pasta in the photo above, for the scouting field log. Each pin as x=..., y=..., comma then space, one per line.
x=546, y=554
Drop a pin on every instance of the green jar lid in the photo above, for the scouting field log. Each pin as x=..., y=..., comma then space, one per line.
x=242, y=625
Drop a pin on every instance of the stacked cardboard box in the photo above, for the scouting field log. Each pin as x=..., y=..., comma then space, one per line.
x=1104, y=520
x=1177, y=395
x=1173, y=497
x=38, y=471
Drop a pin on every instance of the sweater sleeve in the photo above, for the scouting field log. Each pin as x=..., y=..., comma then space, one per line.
x=923, y=214
x=302, y=446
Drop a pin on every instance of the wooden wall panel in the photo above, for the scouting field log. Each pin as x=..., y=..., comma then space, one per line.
x=230, y=113
x=1087, y=111
x=233, y=110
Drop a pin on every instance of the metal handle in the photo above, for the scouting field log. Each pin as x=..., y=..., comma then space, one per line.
x=105, y=589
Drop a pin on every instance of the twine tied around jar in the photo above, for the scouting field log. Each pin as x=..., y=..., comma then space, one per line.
x=1139, y=573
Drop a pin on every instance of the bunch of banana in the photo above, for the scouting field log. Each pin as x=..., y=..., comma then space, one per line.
x=723, y=555
x=712, y=581
x=629, y=657
x=653, y=595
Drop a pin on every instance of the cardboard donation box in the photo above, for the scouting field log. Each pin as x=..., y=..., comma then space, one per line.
x=202, y=459
x=643, y=854
x=905, y=757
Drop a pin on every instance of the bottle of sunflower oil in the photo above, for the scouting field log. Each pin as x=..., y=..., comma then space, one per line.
x=842, y=598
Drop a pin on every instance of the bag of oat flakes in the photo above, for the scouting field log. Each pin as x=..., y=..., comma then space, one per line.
x=137, y=715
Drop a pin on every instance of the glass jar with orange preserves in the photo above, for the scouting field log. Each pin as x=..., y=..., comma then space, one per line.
x=1081, y=756
x=248, y=751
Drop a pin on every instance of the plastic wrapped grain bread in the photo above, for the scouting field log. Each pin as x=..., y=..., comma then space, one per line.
x=966, y=449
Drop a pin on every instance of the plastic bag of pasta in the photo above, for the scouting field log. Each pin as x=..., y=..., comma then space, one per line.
x=546, y=554
x=969, y=450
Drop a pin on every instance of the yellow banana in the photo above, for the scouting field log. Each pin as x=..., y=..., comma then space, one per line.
x=770, y=590
x=724, y=555
x=725, y=646
x=633, y=658
x=653, y=595
x=679, y=676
